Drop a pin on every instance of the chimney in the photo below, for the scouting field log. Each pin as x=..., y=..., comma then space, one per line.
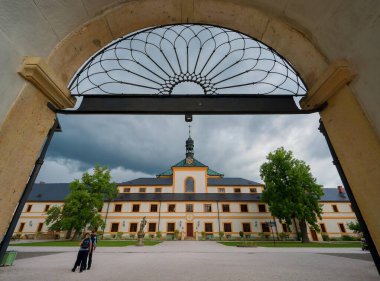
x=340, y=189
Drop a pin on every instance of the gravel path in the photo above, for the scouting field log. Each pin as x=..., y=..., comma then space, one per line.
x=195, y=260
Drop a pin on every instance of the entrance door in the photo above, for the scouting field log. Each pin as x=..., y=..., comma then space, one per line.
x=189, y=229
x=314, y=235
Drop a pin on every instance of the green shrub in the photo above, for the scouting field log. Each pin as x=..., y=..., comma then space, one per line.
x=221, y=234
x=264, y=236
x=335, y=239
x=158, y=234
x=283, y=236
x=325, y=237
x=299, y=236
x=349, y=238
x=203, y=233
x=119, y=235
x=176, y=234
x=241, y=234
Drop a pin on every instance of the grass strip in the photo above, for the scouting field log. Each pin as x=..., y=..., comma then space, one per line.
x=69, y=243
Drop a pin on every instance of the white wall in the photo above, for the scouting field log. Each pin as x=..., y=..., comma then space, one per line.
x=199, y=177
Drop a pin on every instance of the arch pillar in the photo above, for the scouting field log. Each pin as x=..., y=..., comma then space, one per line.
x=24, y=131
x=355, y=142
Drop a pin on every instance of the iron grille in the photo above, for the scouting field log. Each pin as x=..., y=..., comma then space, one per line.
x=157, y=59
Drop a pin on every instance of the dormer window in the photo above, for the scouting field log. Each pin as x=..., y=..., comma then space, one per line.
x=189, y=185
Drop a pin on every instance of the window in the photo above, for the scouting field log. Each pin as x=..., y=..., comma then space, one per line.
x=207, y=208
x=117, y=208
x=221, y=190
x=226, y=208
x=170, y=227
x=237, y=190
x=127, y=189
x=171, y=208
x=39, y=228
x=135, y=208
x=284, y=227
x=323, y=227
x=208, y=227
x=335, y=208
x=21, y=227
x=133, y=227
x=142, y=189
x=114, y=227
x=189, y=185
x=253, y=190
x=29, y=208
x=341, y=227
x=262, y=208
x=47, y=208
x=246, y=227
x=158, y=190
x=152, y=227
x=189, y=208
x=265, y=227
x=227, y=227
x=244, y=208
x=153, y=208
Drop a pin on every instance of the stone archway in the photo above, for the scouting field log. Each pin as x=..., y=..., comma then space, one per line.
x=27, y=122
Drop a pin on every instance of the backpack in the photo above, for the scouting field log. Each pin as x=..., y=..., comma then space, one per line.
x=85, y=243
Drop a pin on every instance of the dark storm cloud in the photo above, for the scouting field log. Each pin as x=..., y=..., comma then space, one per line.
x=133, y=142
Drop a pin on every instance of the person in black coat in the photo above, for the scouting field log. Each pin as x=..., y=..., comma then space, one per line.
x=93, y=247
x=84, y=250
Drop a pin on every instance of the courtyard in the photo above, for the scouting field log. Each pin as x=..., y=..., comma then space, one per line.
x=193, y=260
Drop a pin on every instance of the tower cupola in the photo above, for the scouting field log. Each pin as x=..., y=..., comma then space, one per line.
x=189, y=146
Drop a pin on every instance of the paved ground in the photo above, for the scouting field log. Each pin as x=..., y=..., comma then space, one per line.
x=194, y=260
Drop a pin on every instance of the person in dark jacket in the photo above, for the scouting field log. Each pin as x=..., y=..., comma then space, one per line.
x=84, y=250
x=93, y=247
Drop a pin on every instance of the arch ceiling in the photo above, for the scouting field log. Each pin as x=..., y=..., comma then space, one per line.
x=157, y=59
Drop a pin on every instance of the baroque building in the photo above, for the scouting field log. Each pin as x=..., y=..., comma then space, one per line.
x=192, y=201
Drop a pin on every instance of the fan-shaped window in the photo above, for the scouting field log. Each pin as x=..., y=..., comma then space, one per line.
x=174, y=58
x=189, y=185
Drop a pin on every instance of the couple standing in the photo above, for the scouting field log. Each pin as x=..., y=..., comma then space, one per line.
x=87, y=247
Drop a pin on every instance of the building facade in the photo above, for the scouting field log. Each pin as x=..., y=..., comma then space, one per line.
x=190, y=201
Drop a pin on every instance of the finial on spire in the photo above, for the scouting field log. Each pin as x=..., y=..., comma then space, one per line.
x=189, y=131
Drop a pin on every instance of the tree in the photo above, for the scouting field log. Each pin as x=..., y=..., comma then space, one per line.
x=355, y=227
x=291, y=191
x=54, y=218
x=101, y=186
x=80, y=208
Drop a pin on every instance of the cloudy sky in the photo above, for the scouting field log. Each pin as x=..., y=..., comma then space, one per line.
x=141, y=146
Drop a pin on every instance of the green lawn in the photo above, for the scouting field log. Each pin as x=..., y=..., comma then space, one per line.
x=297, y=244
x=101, y=243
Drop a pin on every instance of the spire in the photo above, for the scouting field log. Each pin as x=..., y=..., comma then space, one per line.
x=189, y=146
